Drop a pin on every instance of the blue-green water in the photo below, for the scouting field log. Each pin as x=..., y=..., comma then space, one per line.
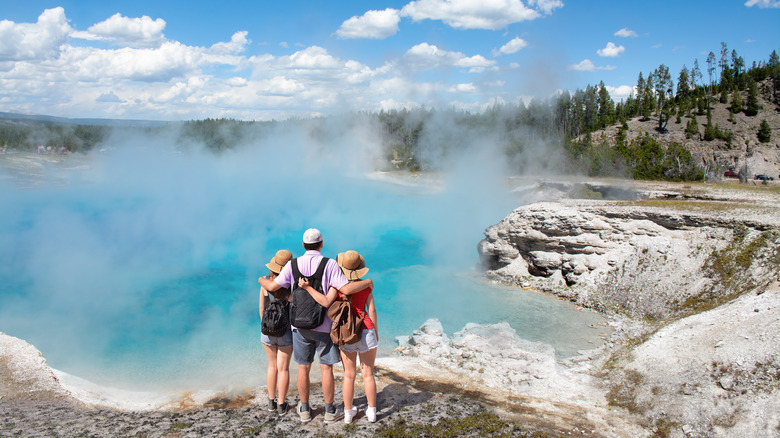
x=138, y=268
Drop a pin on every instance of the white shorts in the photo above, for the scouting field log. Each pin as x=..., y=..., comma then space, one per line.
x=367, y=341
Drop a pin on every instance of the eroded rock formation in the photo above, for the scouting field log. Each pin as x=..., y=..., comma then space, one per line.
x=636, y=258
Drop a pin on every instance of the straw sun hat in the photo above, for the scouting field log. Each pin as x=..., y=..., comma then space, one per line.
x=279, y=260
x=352, y=264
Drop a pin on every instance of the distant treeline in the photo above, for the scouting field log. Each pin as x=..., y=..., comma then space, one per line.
x=415, y=139
x=26, y=136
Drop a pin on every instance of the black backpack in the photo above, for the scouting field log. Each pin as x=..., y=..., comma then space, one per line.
x=276, y=316
x=305, y=311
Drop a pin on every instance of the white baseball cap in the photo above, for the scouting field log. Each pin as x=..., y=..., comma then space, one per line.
x=312, y=235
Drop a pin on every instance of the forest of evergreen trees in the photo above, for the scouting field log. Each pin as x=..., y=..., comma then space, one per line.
x=565, y=121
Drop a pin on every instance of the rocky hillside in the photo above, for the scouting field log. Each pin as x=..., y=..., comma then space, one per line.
x=719, y=155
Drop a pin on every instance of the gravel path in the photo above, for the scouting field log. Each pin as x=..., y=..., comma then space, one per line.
x=404, y=408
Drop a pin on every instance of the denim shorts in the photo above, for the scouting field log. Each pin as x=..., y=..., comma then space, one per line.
x=367, y=341
x=307, y=342
x=277, y=341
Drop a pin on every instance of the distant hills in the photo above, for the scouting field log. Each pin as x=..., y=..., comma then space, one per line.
x=37, y=119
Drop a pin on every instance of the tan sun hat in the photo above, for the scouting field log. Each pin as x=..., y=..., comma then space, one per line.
x=280, y=259
x=352, y=264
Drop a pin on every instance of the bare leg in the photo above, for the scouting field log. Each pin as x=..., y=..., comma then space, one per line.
x=350, y=371
x=270, y=376
x=283, y=369
x=303, y=382
x=367, y=360
x=328, y=384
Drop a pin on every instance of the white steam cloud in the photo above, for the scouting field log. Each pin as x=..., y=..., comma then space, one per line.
x=140, y=262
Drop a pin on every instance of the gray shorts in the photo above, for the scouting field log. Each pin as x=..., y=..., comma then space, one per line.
x=308, y=342
x=277, y=341
x=367, y=341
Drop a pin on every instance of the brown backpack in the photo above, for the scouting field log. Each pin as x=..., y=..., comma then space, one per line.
x=347, y=325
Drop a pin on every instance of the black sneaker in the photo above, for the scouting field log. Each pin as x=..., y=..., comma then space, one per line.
x=283, y=408
x=271, y=404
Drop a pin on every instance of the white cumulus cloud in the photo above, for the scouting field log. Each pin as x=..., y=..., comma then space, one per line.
x=546, y=6
x=511, y=47
x=372, y=24
x=280, y=86
x=236, y=81
x=34, y=41
x=477, y=14
x=463, y=88
x=140, y=32
x=620, y=93
x=584, y=65
x=587, y=65
x=626, y=33
x=611, y=51
x=311, y=58
x=426, y=56
x=763, y=3
x=237, y=44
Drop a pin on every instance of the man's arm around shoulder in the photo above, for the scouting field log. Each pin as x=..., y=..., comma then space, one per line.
x=356, y=286
x=268, y=284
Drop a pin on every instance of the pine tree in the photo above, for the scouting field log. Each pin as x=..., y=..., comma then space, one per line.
x=683, y=83
x=774, y=62
x=752, y=107
x=640, y=93
x=724, y=93
x=692, y=128
x=724, y=59
x=606, y=115
x=683, y=93
x=648, y=102
x=695, y=73
x=764, y=132
x=738, y=64
x=709, y=130
x=663, y=89
x=591, y=109
x=736, y=101
x=774, y=73
x=711, y=69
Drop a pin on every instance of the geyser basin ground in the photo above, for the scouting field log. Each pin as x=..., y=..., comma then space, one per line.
x=138, y=269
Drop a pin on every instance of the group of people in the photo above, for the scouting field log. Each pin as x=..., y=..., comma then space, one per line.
x=341, y=277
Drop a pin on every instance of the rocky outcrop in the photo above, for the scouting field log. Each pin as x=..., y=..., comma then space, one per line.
x=636, y=258
x=698, y=274
x=493, y=353
x=522, y=376
x=24, y=373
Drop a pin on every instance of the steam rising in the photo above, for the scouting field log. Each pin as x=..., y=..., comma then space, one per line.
x=139, y=263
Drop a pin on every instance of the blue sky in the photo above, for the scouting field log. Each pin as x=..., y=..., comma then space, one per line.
x=256, y=60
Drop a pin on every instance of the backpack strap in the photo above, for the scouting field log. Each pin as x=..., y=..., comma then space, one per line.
x=296, y=273
x=318, y=274
x=321, y=269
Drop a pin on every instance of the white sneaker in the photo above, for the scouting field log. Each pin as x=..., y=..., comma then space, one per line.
x=371, y=414
x=350, y=414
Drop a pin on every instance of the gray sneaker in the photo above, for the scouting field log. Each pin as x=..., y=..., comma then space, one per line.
x=282, y=409
x=332, y=417
x=305, y=415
